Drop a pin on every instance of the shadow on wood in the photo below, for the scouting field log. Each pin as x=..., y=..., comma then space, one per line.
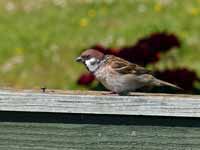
x=6, y=116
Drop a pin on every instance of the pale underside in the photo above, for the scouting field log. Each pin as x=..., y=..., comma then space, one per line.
x=118, y=82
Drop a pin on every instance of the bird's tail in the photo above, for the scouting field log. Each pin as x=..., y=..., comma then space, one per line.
x=158, y=82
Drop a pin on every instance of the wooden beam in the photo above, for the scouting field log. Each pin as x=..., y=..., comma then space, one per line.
x=42, y=136
x=99, y=103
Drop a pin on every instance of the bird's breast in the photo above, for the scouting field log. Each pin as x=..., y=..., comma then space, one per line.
x=104, y=74
x=115, y=81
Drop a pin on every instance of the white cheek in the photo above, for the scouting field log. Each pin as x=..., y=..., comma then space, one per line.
x=92, y=61
x=91, y=64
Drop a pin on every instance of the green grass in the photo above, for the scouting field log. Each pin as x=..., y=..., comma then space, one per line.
x=40, y=39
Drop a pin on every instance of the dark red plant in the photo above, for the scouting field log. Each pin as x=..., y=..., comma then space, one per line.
x=147, y=50
x=86, y=79
x=160, y=42
x=139, y=54
x=182, y=77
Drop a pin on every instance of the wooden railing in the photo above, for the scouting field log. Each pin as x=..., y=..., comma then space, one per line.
x=34, y=119
x=100, y=103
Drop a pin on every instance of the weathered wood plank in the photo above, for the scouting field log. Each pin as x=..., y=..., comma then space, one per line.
x=40, y=136
x=138, y=104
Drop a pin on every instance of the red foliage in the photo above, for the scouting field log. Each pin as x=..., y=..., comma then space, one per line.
x=86, y=79
x=182, y=77
x=139, y=54
x=160, y=41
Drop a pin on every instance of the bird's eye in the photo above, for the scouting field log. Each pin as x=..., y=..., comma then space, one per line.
x=86, y=57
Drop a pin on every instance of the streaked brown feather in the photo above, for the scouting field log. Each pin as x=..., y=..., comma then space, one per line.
x=124, y=67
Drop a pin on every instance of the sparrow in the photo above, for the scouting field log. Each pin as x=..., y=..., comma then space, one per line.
x=117, y=74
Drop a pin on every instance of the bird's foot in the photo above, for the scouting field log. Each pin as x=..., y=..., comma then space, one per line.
x=117, y=94
x=110, y=93
x=124, y=93
x=120, y=94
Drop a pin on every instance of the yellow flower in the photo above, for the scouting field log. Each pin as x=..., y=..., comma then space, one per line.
x=83, y=22
x=92, y=13
x=194, y=11
x=157, y=7
x=183, y=34
x=19, y=50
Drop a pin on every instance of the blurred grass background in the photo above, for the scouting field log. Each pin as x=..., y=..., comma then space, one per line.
x=39, y=39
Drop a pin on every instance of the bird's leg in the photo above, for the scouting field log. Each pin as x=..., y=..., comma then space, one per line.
x=111, y=93
x=115, y=93
x=124, y=93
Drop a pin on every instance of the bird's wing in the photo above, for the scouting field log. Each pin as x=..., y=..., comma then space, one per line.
x=124, y=67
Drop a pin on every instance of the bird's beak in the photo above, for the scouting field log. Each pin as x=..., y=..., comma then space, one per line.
x=79, y=59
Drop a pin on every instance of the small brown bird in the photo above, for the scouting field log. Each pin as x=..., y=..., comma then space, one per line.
x=117, y=74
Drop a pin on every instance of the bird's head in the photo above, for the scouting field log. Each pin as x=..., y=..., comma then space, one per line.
x=91, y=58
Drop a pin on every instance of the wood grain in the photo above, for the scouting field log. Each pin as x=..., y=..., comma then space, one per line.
x=137, y=104
x=39, y=136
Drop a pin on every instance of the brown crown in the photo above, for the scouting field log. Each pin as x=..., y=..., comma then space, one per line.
x=93, y=53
